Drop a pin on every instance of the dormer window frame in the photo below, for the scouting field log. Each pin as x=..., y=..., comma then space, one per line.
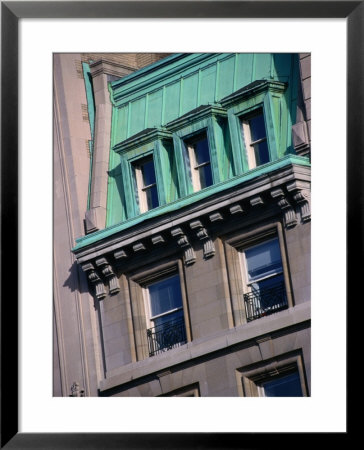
x=203, y=119
x=133, y=152
x=141, y=188
x=253, y=156
x=264, y=96
x=196, y=168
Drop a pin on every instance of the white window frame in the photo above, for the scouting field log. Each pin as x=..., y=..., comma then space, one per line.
x=249, y=144
x=147, y=299
x=248, y=284
x=141, y=188
x=194, y=166
x=150, y=320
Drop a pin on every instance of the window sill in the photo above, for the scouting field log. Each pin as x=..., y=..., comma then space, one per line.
x=198, y=348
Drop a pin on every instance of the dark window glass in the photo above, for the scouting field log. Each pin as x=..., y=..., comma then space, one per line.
x=205, y=176
x=168, y=327
x=165, y=295
x=152, y=197
x=147, y=185
x=261, y=153
x=263, y=260
x=148, y=173
x=257, y=127
x=259, y=139
x=266, y=288
x=284, y=386
x=202, y=151
x=200, y=162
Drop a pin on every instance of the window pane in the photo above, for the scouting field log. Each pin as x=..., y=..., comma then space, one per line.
x=261, y=153
x=148, y=173
x=152, y=197
x=268, y=283
x=165, y=295
x=205, y=176
x=169, y=319
x=263, y=260
x=202, y=151
x=257, y=127
x=286, y=386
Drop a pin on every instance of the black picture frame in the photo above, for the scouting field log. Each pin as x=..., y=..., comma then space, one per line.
x=11, y=12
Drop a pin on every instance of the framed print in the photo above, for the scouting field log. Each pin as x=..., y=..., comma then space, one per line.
x=171, y=222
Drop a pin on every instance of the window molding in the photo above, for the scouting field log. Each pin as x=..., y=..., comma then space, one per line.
x=193, y=390
x=193, y=164
x=233, y=245
x=151, y=142
x=249, y=378
x=249, y=142
x=266, y=95
x=206, y=118
x=138, y=281
x=141, y=187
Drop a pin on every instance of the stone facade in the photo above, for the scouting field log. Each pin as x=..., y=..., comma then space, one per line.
x=102, y=341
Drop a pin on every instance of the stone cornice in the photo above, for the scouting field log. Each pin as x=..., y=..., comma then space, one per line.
x=285, y=189
x=274, y=174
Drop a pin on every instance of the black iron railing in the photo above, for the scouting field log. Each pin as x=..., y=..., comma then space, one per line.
x=266, y=301
x=166, y=336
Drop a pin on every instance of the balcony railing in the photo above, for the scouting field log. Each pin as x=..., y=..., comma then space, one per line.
x=166, y=336
x=266, y=301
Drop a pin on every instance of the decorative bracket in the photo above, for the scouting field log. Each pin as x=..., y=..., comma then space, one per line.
x=303, y=199
x=236, y=209
x=183, y=242
x=107, y=271
x=290, y=218
x=216, y=217
x=158, y=239
x=95, y=279
x=208, y=245
x=138, y=247
x=120, y=254
x=256, y=201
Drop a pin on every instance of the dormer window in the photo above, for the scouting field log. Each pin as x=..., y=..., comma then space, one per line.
x=199, y=161
x=146, y=184
x=255, y=138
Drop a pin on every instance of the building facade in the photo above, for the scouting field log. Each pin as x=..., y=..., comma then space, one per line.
x=190, y=270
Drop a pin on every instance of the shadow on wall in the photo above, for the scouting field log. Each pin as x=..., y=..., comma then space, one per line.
x=76, y=280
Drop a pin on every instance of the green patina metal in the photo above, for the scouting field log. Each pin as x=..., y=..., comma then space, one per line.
x=184, y=94
x=155, y=142
x=91, y=115
x=265, y=169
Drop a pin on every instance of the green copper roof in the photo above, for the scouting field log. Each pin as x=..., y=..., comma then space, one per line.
x=192, y=198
